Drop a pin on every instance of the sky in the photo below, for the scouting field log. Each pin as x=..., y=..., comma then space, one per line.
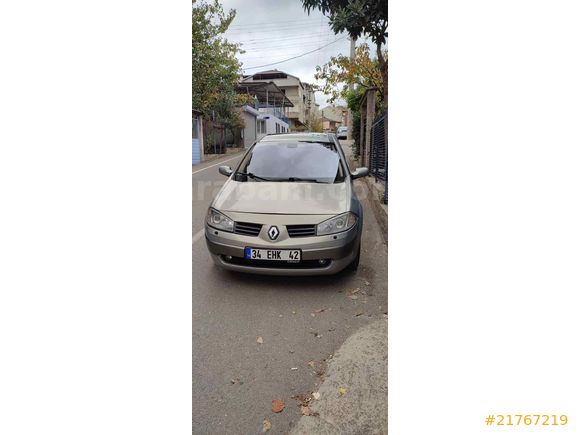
x=275, y=30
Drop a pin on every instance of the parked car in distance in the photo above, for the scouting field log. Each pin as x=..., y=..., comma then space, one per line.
x=289, y=208
x=342, y=132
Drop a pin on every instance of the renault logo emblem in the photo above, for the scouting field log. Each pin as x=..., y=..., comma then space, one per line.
x=273, y=232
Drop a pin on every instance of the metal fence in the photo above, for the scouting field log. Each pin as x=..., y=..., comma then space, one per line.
x=379, y=156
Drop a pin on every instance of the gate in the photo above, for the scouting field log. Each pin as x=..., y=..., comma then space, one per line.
x=379, y=159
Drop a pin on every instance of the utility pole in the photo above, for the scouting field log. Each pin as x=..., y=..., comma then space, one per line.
x=350, y=88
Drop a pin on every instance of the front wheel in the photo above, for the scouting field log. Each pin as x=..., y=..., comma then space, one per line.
x=354, y=265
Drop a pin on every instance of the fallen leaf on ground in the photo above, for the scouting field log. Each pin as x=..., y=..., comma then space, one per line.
x=305, y=410
x=277, y=405
x=312, y=363
x=233, y=381
x=302, y=399
x=291, y=351
x=294, y=368
x=353, y=297
x=293, y=312
x=360, y=313
x=342, y=391
x=316, y=395
x=260, y=340
x=320, y=310
x=313, y=315
x=367, y=283
x=266, y=425
x=331, y=329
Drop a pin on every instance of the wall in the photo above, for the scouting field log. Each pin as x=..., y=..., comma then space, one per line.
x=250, y=132
x=196, y=141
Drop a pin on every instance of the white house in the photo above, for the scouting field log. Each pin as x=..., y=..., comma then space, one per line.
x=270, y=124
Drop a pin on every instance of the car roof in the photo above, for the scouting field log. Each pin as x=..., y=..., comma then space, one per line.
x=325, y=137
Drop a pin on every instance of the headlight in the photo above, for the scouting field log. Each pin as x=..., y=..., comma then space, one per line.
x=220, y=221
x=337, y=224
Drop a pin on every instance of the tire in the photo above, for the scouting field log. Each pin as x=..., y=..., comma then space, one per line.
x=353, y=266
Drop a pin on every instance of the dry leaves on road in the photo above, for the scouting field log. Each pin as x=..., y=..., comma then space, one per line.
x=260, y=340
x=305, y=410
x=277, y=405
x=311, y=363
x=316, y=395
x=341, y=391
x=266, y=425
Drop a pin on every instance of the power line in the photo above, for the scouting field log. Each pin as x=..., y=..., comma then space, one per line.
x=268, y=23
x=295, y=57
x=265, y=42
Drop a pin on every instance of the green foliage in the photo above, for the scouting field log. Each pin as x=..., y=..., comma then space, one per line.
x=358, y=18
x=341, y=71
x=215, y=69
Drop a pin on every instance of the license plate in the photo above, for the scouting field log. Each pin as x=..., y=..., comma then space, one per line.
x=273, y=254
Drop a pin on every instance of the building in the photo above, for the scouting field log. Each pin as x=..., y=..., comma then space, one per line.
x=270, y=106
x=270, y=124
x=299, y=94
x=250, y=132
x=339, y=113
x=331, y=119
x=197, y=137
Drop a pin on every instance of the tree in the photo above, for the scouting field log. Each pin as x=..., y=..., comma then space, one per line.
x=341, y=71
x=359, y=17
x=215, y=69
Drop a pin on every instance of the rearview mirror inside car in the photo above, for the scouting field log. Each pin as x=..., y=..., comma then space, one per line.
x=359, y=172
x=225, y=170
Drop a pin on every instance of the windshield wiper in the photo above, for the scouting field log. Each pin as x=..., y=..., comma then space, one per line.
x=311, y=180
x=252, y=176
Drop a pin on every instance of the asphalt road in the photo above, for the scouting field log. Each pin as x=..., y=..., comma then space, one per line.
x=235, y=378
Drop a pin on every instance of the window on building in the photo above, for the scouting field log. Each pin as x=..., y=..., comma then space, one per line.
x=194, y=129
x=277, y=128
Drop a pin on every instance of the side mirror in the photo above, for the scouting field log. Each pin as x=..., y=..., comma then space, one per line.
x=359, y=172
x=225, y=170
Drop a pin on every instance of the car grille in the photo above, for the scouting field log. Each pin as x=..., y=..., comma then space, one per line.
x=247, y=228
x=301, y=230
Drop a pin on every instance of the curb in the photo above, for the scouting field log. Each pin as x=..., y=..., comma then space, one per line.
x=359, y=369
x=212, y=157
x=380, y=210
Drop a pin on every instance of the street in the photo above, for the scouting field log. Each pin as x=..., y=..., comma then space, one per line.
x=300, y=320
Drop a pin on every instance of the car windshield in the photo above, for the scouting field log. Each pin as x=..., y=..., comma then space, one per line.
x=292, y=161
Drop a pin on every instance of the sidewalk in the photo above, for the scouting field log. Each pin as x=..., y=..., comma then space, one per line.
x=229, y=152
x=353, y=396
x=377, y=191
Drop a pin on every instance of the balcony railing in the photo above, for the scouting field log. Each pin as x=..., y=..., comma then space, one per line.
x=272, y=111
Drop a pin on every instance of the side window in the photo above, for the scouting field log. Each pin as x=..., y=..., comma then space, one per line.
x=194, y=129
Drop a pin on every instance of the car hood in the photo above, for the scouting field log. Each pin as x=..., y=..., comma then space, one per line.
x=283, y=198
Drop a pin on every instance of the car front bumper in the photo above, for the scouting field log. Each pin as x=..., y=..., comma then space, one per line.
x=338, y=249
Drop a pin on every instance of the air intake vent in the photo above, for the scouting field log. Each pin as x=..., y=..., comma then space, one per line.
x=301, y=230
x=247, y=228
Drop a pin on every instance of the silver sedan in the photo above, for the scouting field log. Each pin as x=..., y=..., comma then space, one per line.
x=289, y=208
